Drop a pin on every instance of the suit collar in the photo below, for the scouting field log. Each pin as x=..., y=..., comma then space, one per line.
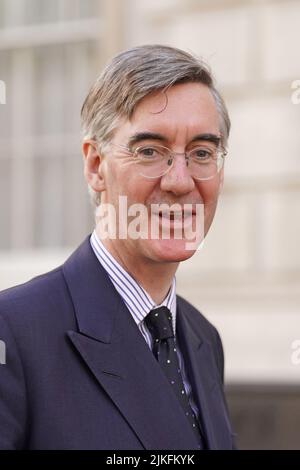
x=116, y=353
x=113, y=348
x=92, y=293
x=206, y=383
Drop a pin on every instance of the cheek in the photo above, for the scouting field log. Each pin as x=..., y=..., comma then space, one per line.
x=116, y=182
x=209, y=192
x=125, y=182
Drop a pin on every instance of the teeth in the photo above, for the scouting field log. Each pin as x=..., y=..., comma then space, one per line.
x=175, y=216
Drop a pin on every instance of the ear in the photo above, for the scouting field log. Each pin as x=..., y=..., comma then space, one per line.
x=93, y=165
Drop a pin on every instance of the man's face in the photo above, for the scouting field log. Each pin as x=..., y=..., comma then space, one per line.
x=185, y=111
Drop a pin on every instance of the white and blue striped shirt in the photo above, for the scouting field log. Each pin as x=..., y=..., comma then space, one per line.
x=138, y=301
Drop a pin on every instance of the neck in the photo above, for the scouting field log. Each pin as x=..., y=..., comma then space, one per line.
x=156, y=278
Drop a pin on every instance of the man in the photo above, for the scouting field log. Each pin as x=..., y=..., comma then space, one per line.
x=101, y=353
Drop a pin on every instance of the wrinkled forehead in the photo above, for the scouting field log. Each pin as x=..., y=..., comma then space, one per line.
x=179, y=112
x=192, y=95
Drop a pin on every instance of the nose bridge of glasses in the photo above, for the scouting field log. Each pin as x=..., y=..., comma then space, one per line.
x=178, y=164
x=172, y=156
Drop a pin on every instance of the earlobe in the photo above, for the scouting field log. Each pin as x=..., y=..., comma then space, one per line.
x=93, y=166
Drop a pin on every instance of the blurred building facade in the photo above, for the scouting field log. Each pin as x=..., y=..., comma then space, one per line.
x=246, y=280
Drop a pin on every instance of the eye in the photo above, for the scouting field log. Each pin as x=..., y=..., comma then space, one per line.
x=202, y=154
x=149, y=153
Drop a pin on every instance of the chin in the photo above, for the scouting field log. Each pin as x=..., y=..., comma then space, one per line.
x=172, y=251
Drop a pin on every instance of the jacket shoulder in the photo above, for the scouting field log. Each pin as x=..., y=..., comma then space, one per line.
x=38, y=295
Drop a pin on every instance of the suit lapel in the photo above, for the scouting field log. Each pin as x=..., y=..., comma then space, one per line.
x=113, y=348
x=206, y=386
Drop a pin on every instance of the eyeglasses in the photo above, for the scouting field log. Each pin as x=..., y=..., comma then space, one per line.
x=204, y=161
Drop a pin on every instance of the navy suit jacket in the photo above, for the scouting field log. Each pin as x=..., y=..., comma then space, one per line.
x=79, y=374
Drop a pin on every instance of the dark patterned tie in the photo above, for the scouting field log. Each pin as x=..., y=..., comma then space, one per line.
x=159, y=323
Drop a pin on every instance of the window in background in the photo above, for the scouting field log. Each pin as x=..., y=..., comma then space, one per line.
x=48, y=71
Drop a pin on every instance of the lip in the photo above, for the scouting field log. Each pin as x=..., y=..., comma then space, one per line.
x=175, y=215
x=180, y=220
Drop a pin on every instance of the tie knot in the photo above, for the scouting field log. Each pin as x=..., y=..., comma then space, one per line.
x=159, y=322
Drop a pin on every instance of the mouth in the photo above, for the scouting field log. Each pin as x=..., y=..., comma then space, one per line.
x=176, y=215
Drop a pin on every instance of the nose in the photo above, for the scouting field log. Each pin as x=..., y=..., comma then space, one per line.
x=178, y=179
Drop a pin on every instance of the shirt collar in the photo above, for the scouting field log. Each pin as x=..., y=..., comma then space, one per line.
x=137, y=300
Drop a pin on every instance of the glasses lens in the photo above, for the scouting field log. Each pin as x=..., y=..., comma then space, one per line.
x=205, y=162
x=153, y=160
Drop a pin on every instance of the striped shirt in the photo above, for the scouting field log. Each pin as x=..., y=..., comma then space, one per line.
x=139, y=302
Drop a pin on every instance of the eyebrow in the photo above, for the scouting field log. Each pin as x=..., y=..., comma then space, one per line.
x=140, y=136
x=215, y=139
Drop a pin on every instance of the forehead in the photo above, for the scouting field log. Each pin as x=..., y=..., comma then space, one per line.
x=183, y=109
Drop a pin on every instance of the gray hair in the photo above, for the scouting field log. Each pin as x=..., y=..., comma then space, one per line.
x=129, y=77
